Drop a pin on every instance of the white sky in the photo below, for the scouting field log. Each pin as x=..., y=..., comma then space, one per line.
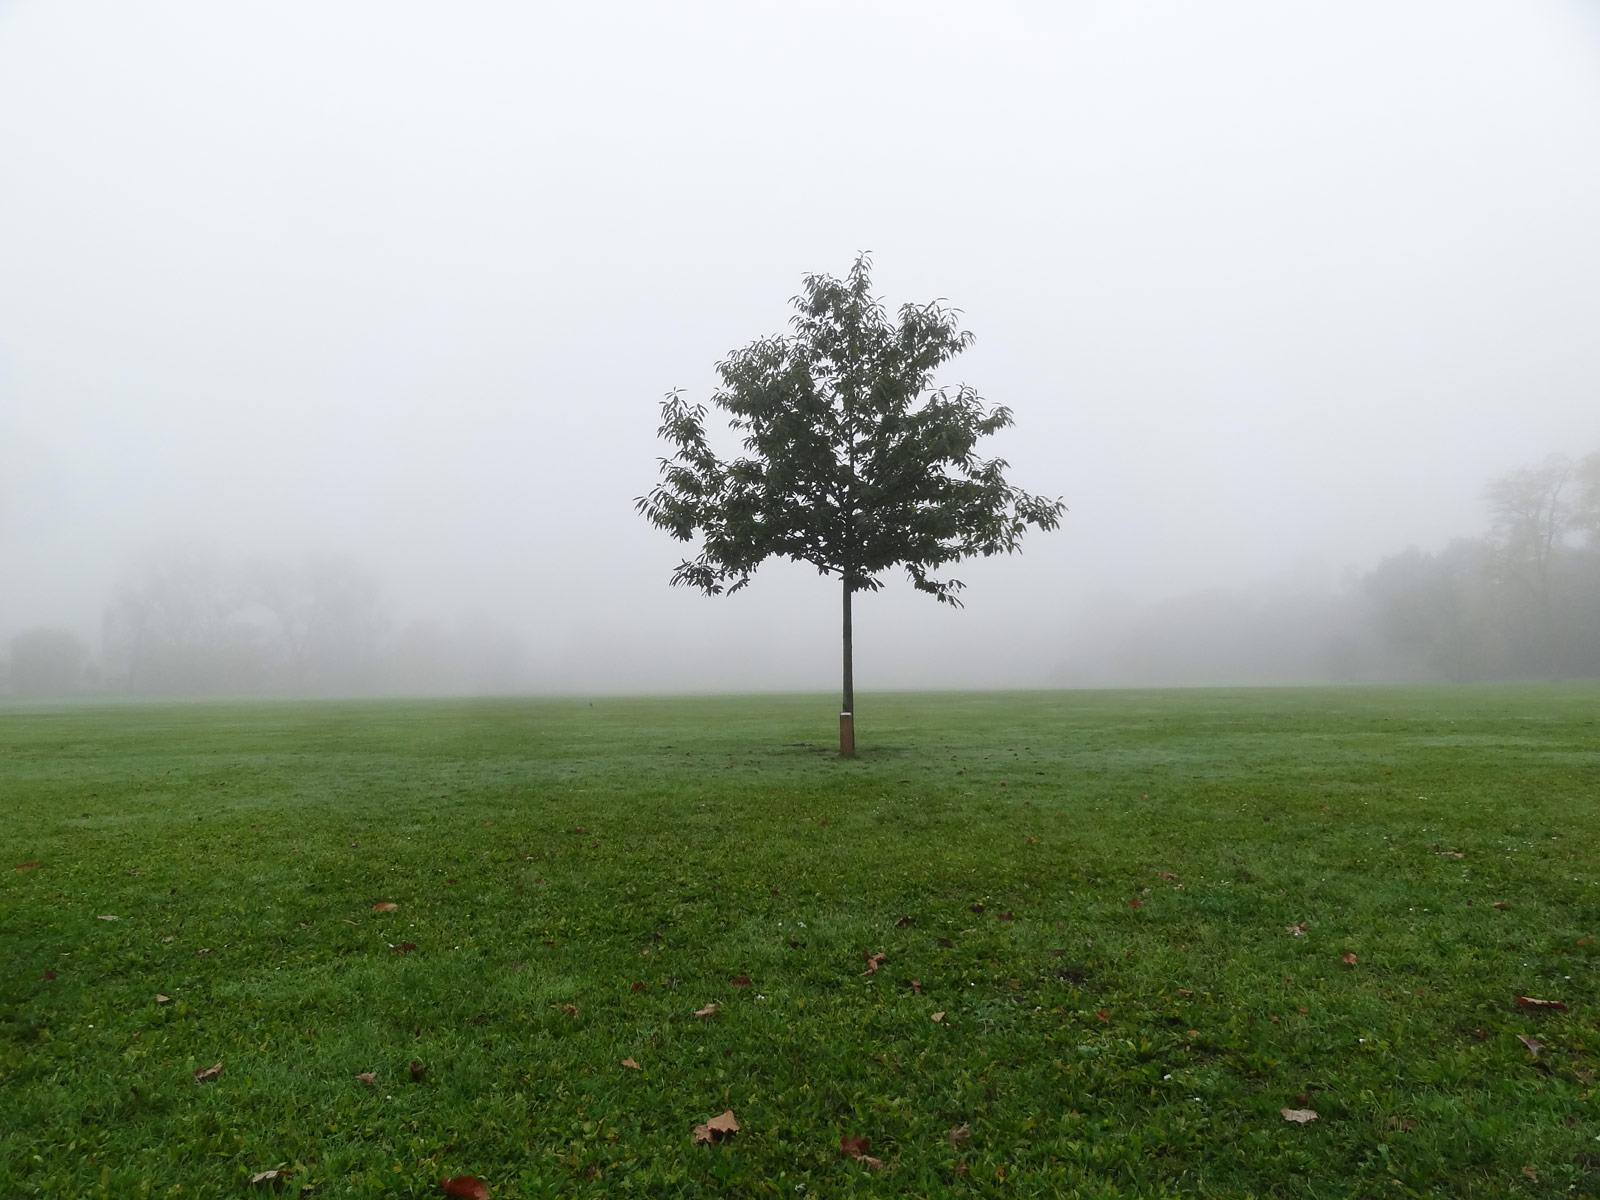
x=1272, y=288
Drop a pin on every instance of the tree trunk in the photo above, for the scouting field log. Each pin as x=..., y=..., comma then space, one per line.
x=847, y=710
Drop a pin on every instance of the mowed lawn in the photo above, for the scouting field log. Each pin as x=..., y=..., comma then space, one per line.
x=1133, y=910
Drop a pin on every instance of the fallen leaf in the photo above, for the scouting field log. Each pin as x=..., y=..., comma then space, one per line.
x=1300, y=1116
x=916, y=986
x=741, y=981
x=1185, y=992
x=160, y=999
x=466, y=1187
x=852, y=1146
x=570, y=1009
x=630, y=1064
x=108, y=917
x=937, y=1017
x=172, y=937
x=717, y=1129
x=1194, y=1033
x=1135, y=903
x=405, y=947
x=1167, y=875
x=417, y=1071
x=959, y=1134
x=1297, y=930
x=1501, y=905
x=1586, y=941
x=348, y=921
x=1531, y=1174
x=579, y=829
x=707, y=1010
x=261, y=1177
x=977, y=908
x=208, y=1074
x=1531, y=1002
x=1349, y=959
x=637, y=987
x=1533, y=1044
x=27, y=866
x=874, y=961
x=450, y=879
x=368, y=1077
x=1103, y=1014
x=385, y=906
x=1008, y=915
x=1452, y=854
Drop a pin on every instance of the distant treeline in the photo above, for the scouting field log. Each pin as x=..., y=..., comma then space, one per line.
x=186, y=622
x=1519, y=601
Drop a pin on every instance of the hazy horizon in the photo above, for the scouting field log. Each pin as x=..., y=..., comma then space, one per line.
x=1272, y=291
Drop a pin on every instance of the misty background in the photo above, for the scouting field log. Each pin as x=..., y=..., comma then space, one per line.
x=332, y=337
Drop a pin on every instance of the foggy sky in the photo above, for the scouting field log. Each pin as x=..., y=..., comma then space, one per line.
x=1272, y=289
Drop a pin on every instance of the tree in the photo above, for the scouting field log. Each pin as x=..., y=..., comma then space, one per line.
x=854, y=462
x=1531, y=513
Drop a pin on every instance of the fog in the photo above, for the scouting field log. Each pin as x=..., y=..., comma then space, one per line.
x=381, y=300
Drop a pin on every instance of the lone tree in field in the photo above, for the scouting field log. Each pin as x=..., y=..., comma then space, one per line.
x=855, y=463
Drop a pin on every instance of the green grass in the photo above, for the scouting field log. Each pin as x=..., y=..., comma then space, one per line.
x=630, y=859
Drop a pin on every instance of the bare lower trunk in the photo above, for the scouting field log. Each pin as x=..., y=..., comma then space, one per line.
x=847, y=710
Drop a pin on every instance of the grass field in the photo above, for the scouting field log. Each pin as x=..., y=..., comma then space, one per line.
x=1133, y=910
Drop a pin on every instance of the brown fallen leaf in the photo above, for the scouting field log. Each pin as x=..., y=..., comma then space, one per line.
x=208, y=1074
x=1194, y=1033
x=466, y=1187
x=902, y=922
x=1501, y=905
x=637, y=987
x=1103, y=1014
x=417, y=1071
x=937, y=1018
x=1348, y=959
x=707, y=1010
x=27, y=866
x=916, y=986
x=1167, y=874
x=1008, y=915
x=1531, y=1002
x=717, y=1129
x=368, y=1077
x=1586, y=941
x=631, y=1064
x=385, y=906
x=405, y=947
x=160, y=999
x=1531, y=1174
x=874, y=961
x=856, y=1147
x=741, y=981
x=49, y=974
x=261, y=1177
x=570, y=1009
x=958, y=1135
x=1452, y=853
x=977, y=908
x=1533, y=1044
x=1300, y=1116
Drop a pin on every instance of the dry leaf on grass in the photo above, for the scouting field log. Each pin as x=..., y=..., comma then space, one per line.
x=916, y=986
x=902, y=922
x=1348, y=959
x=208, y=1074
x=48, y=974
x=707, y=1010
x=856, y=1147
x=261, y=1177
x=405, y=947
x=741, y=981
x=466, y=1187
x=977, y=908
x=937, y=1018
x=1300, y=1116
x=1298, y=930
x=1533, y=1044
x=1452, y=854
x=630, y=1064
x=385, y=906
x=570, y=1009
x=368, y=1077
x=160, y=999
x=874, y=961
x=958, y=1135
x=1531, y=1002
x=1135, y=903
x=717, y=1129
x=27, y=866
x=1586, y=941
x=417, y=1071
x=1104, y=1014
x=109, y=917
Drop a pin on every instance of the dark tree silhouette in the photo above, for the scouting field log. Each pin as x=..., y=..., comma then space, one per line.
x=854, y=462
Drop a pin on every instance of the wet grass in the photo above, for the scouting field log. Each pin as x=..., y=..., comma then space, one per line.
x=1097, y=890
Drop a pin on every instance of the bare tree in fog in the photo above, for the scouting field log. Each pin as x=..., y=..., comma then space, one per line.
x=855, y=465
